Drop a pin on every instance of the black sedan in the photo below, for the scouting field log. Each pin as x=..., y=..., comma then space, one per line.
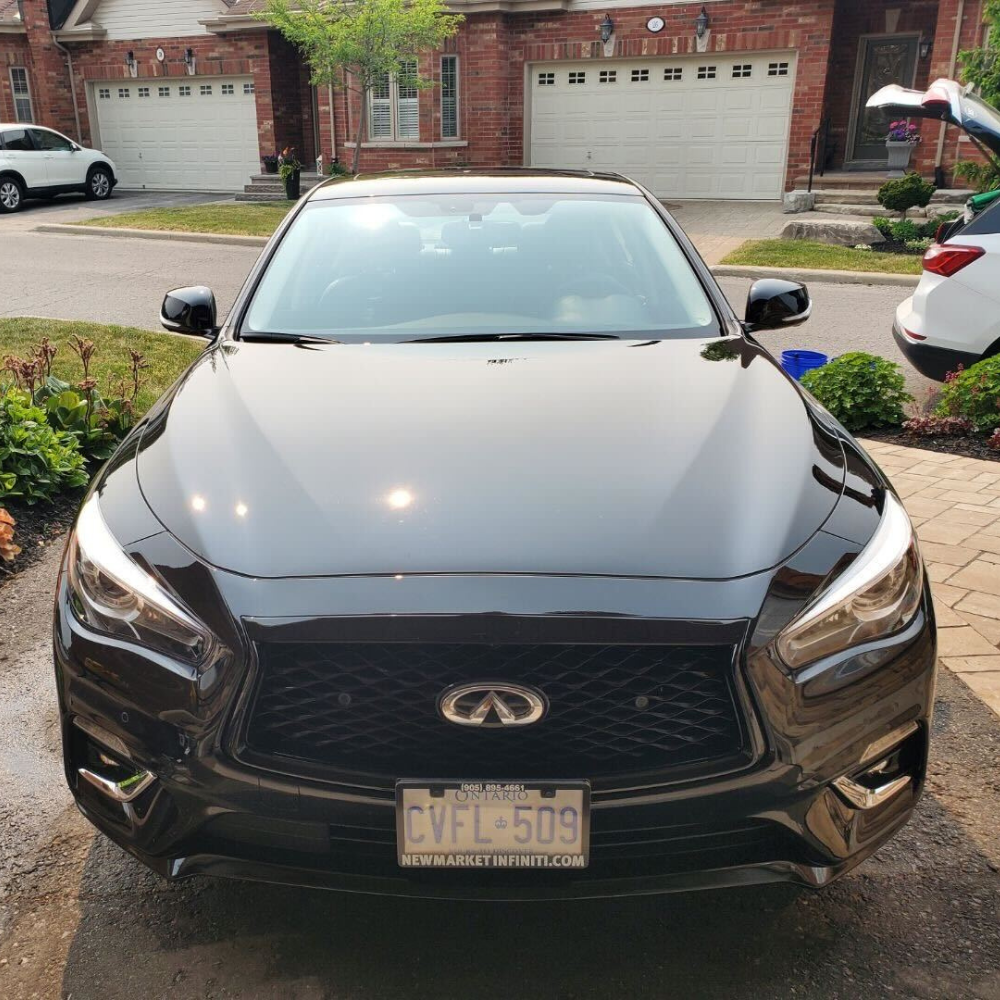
x=484, y=552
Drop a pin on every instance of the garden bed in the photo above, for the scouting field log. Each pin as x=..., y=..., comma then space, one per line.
x=38, y=527
x=968, y=446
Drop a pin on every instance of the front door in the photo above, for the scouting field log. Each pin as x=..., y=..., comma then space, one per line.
x=883, y=60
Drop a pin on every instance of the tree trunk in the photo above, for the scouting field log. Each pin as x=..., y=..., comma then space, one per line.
x=360, y=131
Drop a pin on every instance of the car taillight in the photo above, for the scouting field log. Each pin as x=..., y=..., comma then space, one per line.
x=948, y=259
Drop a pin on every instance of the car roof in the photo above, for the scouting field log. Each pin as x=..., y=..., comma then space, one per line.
x=466, y=181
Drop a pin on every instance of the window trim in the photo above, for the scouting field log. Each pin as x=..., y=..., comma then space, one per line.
x=394, y=101
x=457, y=98
x=27, y=96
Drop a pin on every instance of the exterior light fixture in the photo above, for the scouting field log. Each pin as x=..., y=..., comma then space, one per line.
x=701, y=23
x=607, y=29
x=189, y=61
x=130, y=60
x=926, y=48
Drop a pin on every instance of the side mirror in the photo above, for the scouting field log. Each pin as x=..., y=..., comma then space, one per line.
x=190, y=310
x=774, y=302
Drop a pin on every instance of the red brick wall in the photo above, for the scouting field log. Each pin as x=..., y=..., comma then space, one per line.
x=13, y=52
x=868, y=17
x=494, y=48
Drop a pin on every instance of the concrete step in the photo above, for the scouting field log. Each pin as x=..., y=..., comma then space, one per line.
x=945, y=196
x=870, y=211
x=846, y=181
x=260, y=196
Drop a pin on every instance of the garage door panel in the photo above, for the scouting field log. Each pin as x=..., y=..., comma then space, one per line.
x=198, y=133
x=683, y=126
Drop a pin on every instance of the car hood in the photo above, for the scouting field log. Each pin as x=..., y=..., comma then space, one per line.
x=947, y=101
x=684, y=458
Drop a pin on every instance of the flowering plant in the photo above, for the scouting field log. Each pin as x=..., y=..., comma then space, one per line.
x=903, y=132
x=288, y=163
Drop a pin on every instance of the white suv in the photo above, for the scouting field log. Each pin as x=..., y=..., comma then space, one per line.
x=36, y=162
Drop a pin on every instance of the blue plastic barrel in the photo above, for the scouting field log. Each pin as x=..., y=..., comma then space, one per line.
x=797, y=363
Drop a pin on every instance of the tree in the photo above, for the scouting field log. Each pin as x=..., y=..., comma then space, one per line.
x=981, y=68
x=911, y=191
x=369, y=39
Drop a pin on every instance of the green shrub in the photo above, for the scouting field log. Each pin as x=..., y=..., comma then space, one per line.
x=911, y=191
x=860, y=390
x=904, y=229
x=974, y=394
x=920, y=245
x=930, y=227
x=36, y=460
x=982, y=176
x=96, y=423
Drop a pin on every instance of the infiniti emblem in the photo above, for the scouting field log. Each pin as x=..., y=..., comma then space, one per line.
x=492, y=705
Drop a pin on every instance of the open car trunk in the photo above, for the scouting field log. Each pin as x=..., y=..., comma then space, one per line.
x=946, y=101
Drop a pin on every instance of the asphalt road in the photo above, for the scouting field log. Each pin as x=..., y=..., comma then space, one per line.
x=80, y=919
x=115, y=280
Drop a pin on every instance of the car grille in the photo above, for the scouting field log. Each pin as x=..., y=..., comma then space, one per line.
x=371, y=709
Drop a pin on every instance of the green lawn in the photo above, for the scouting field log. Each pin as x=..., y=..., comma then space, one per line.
x=231, y=218
x=168, y=355
x=821, y=256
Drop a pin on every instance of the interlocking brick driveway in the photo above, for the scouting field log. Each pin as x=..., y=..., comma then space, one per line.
x=954, y=503
x=718, y=227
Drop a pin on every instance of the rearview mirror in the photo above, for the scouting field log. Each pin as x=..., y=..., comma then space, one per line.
x=190, y=310
x=774, y=303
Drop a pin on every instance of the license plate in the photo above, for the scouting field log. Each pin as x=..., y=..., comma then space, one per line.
x=490, y=824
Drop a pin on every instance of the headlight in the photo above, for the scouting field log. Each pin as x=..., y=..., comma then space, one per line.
x=875, y=597
x=115, y=595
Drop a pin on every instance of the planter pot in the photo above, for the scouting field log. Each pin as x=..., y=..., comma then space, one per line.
x=899, y=157
x=292, y=182
x=270, y=167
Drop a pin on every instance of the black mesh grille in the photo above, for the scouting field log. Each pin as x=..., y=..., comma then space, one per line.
x=371, y=708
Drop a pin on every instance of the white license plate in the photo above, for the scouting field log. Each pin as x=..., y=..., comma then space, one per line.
x=491, y=824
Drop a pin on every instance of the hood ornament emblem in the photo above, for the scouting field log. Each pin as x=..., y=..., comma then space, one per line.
x=492, y=706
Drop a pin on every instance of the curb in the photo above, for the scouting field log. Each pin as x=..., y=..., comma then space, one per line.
x=65, y=229
x=817, y=276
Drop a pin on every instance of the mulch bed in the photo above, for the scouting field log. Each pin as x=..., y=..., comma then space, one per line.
x=39, y=526
x=968, y=447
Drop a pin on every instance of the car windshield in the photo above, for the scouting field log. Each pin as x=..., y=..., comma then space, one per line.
x=432, y=266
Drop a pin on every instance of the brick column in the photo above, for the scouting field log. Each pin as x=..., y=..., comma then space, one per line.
x=53, y=101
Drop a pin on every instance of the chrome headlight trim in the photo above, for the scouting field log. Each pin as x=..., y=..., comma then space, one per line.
x=875, y=597
x=115, y=595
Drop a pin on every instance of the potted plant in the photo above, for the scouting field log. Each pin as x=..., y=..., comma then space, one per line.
x=270, y=163
x=899, y=143
x=290, y=170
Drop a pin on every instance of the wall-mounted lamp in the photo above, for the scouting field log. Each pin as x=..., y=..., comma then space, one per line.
x=926, y=48
x=701, y=24
x=189, y=61
x=607, y=29
x=130, y=61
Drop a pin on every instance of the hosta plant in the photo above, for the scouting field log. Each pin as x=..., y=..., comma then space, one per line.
x=860, y=390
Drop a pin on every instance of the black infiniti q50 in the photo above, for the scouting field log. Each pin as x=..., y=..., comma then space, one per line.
x=485, y=552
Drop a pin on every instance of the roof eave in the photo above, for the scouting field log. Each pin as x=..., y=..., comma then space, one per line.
x=233, y=22
x=11, y=28
x=83, y=33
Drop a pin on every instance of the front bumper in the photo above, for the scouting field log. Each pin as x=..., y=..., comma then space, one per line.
x=780, y=818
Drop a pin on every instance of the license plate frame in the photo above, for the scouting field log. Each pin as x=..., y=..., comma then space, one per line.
x=562, y=794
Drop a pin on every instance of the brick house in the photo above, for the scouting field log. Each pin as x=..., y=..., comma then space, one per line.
x=190, y=93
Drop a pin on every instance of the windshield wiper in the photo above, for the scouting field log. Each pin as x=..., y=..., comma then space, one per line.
x=494, y=337
x=288, y=338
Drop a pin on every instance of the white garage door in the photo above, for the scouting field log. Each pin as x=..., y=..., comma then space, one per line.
x=713, y=126
x=191, y=133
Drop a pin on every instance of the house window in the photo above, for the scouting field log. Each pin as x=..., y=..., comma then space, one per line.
x=578, y=78
x=608, y=76
x=673, y=73
x=144, y=91
x=228, y=89
x=22, y=94
x=205, y=90
x=124, y=93
x=777, y=69
x=183, y=91
x=248, y=88
x=394, y=108
x=742, y=70
x=640, y=75
x=163, y=91
x=706, y=72
x=449, y=97
x=546, y=79
x=103, y=93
